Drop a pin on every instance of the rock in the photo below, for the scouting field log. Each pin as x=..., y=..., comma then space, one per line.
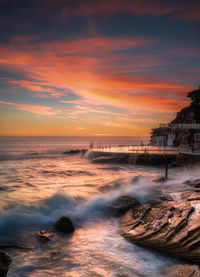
x=195, y=183
x=64, y=224
x=191, y=113
x=5, y=261
x=191, y=196
x=123, y=204
x=195, y=96
x=75, y=151
x=172, y=226
x=183, y=137
x=72, y=152
x=181, y=271
x=45, y=235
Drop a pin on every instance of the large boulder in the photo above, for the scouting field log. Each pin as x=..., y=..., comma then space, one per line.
x=5, y=261
x=64, y=224
x=172, y=226
x=122, y=204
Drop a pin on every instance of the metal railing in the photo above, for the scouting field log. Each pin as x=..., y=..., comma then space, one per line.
x=137, y=150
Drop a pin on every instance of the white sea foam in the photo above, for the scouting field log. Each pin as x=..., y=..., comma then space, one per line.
x=38, y=191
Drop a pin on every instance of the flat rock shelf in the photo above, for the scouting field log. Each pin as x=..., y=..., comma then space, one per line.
x=170, y=226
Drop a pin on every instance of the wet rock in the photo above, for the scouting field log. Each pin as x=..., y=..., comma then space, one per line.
x=45, y=235
x=75, y=151
x=181, y=271
x=64, y=224
x=123, y=204
x=5, y=261
x=194, y=183
x=172, y=226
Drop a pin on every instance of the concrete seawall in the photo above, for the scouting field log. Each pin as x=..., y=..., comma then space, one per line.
x=148, y=159
x=132, y=158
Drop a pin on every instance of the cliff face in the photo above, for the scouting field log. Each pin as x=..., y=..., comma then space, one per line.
x=190, y=114
x=185, y=137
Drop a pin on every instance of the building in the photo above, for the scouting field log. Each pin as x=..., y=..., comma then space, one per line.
x=184, y=130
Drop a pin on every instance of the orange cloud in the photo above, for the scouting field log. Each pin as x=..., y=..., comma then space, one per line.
x=35, y=109
x=38, y=88
x=92, y=72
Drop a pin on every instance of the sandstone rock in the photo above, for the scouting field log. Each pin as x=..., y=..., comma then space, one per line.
x=195, y=96
x=172, y=226
x=64, y=224
x=181, y=271
x=5, y=261
x=191, y=113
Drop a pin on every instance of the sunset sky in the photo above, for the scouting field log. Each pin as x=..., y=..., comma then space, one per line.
x=99, y=67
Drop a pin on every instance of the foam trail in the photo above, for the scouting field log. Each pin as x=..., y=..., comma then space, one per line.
x=44, y=213
x=32, y=217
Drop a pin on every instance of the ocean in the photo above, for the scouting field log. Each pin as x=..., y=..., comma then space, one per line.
x=38, y=184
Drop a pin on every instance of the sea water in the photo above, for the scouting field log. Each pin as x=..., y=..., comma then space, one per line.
x=38, y=184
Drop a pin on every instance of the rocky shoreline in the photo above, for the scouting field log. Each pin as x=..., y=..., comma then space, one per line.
x=183, y=129
x=172, y=227
x=168, y=224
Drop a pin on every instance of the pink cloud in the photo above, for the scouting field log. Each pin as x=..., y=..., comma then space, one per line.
x=35, y=109
x=96, y=75
x=38, y=88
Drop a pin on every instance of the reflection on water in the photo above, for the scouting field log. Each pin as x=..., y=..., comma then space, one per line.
x=95, y=249
x=137, y=149
x=36, y=191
